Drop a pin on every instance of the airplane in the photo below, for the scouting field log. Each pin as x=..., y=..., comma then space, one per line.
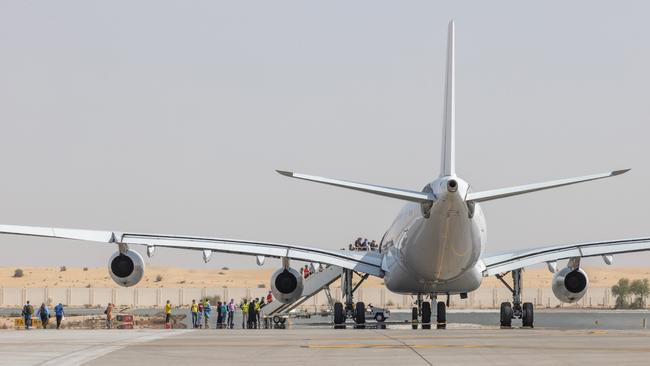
x=435, y=246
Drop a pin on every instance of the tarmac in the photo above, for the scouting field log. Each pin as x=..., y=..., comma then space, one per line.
x=326, y=346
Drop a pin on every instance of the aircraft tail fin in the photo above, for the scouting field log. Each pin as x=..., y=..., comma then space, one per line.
x=403, y=194
x=448, y=162
x=513, y=191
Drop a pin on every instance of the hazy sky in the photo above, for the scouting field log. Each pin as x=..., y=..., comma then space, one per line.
x=171, y=116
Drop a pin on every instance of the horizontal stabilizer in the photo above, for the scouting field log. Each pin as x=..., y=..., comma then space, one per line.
x=402, y=194
x=513, y=191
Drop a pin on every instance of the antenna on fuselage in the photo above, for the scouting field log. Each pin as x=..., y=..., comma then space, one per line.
x=448, y=162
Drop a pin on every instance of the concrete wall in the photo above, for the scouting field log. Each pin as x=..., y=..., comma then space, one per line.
x=484, y=298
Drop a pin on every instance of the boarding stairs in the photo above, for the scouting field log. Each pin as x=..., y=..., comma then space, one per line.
x=317, y=281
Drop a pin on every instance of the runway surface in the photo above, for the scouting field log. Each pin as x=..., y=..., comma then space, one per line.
x=322, y=346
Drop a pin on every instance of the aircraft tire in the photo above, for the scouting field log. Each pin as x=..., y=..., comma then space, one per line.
x=441, y=313
x=339, y=316
x=506, y=314
x=414, y=318
x=426, y=313
x=360, y=313
x=527, y=316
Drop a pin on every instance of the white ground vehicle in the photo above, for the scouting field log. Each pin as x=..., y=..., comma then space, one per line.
x=377, y=313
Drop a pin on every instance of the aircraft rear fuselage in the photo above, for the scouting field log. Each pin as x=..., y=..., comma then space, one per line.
x=436, y=249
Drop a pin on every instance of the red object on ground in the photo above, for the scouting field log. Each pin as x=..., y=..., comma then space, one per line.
x=126, y=318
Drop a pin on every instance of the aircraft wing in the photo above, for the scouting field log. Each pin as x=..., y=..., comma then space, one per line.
x=366, y=262
x=505, y=262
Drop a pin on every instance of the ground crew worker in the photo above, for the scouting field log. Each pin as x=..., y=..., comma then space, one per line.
x=223, y=311
x=199, y=320
x=219, y=315
x=168, y=312
x=231, y=313
x=58, y=312
x=109, y=315
x=207, y=310
x=251, y=315
x=28, y=311
x=258, y=306
x=244, y=311
x=195, y=313
x=44, y=313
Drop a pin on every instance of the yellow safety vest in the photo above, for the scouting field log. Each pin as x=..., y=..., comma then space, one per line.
x=168, y=308
x=244, y=308
x=195, y=308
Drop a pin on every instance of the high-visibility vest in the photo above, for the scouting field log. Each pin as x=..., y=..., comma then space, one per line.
x=257, y=306
x=244, y=308
x=195, y=308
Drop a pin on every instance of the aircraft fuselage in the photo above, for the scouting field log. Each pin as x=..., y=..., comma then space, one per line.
x=436, y=249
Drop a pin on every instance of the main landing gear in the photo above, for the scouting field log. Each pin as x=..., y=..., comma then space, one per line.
x=350, y=310
x=422, y=311
x=516, y=310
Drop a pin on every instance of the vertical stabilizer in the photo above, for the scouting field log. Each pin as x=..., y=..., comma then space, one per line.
x=448, y=164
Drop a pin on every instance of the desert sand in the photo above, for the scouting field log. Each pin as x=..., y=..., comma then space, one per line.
x=252, y=278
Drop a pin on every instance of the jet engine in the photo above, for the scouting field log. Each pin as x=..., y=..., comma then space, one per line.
x=286, y=285
x=126, y=269
x=570, y=285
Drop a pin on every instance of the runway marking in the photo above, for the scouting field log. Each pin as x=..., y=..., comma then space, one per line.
x=598, y=332
x=475, y=346
x=90, y=353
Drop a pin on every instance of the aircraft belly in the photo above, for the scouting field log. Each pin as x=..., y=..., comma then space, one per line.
x=443, y=249
x=402, y=280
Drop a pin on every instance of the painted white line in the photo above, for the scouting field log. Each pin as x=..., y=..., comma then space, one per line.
x=88, y=354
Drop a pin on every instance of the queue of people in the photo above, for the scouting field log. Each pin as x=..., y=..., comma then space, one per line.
x=43, y=313
x=364, y=245
x=201, y=313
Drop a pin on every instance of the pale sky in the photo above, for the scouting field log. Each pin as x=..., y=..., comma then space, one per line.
x=171, y=116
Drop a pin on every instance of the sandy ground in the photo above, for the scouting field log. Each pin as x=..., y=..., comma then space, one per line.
x=252, y=278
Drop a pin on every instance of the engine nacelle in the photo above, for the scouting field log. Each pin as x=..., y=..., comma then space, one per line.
x=126, y=269
x=570, y=285
x=286, y=285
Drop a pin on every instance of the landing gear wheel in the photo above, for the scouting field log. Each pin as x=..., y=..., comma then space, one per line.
x=527, y=315
x=414, y=318
x=276, y=320
x=380, y=318
x=426, y=315
x=360, y=315
x=441, y=314
x=506, y=314
x=339, y=315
